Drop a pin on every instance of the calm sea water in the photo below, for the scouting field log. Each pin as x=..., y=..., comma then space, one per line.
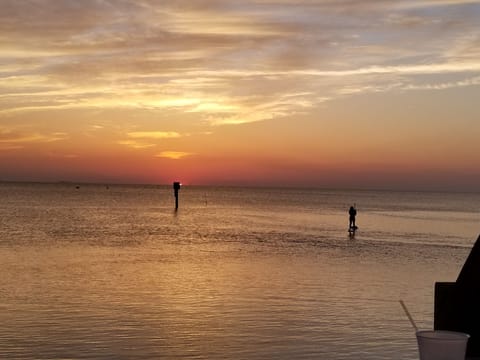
x=236, y=273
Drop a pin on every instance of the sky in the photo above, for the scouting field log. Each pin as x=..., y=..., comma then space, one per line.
x=378, y=94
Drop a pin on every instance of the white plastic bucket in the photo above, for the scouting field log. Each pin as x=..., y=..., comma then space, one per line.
x=442, y=345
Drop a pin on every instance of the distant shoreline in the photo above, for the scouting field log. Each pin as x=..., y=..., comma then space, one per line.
x=239, y=186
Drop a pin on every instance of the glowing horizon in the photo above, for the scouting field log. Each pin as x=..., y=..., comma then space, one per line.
x=370, y=94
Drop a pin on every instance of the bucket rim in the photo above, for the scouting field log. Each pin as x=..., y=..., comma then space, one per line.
x=448, y=335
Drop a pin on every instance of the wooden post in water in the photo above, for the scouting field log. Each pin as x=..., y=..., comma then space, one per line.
x=176, y=187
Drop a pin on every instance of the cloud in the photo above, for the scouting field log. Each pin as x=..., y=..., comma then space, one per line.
x=136, y=144
x=154, y=134
x=267, y=108
x=434, y=3
x=7, y=147
x=228, y=62
x=63, y=155
x=432, y=68
x=174, y=155
x=11, y=139
x=475, y=81
x=146, y=139
x=19, y=137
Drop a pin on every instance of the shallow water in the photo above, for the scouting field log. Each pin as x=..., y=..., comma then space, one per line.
x=115, y=273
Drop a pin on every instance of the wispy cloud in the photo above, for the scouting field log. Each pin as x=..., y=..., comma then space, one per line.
x=445, y=85
x=227, y=62
x=174, y=155
x=147, y=139
x=6, y=146
x=136, y=144
x=434, y=3
x=154, y=134
x=18, y=137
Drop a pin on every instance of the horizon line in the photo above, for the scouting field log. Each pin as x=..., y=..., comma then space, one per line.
x=259, y=186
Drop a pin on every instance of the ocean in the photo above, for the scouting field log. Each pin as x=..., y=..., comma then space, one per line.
x=114, y=272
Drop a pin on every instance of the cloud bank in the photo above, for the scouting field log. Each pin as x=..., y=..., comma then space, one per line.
x=228, y=62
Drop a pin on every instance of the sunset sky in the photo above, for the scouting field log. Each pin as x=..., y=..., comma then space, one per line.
x=327, y=93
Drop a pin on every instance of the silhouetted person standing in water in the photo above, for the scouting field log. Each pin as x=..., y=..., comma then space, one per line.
x=352, y=212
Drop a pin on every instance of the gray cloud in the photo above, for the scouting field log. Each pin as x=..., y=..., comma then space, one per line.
x=142, y=54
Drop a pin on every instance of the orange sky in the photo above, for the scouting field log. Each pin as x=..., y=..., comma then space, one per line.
x=370, y=94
